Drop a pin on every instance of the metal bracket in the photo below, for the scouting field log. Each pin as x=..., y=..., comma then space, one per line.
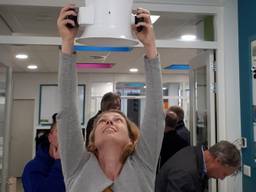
x=240, y=143
x=243, y=142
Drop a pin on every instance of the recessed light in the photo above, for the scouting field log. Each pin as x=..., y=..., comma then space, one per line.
x=21, y=56
x=188, y=37
x=32, y=67
x=164, y=88
x=133, y=70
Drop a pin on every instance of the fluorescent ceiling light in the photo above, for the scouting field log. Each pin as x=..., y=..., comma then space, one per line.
x=133, y=70
x=188, y=37
x=21, y=56
x=94, y=65
x=154, y=18
x=32, y=67
x=102, y=49
x=164, y=88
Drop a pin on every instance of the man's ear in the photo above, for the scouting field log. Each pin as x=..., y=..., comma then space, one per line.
x=217, y=161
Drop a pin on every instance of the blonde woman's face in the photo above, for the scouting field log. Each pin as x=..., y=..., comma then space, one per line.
x=111, y=127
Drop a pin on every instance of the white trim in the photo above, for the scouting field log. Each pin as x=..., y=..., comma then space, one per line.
x=60, y=3
x=231, y=86
x=177, y=8
x=47, y=3
x=220, y=69
x=29, y=40
x=36, y=40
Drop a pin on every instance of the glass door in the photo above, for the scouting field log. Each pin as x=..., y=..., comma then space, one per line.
x=202, y=102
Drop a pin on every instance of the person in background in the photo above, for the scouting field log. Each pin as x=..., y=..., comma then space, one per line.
x=181, y=129
x=109, y=101
x=172, y=142
x=43, y=173
x=189, y=169
x=121, y=157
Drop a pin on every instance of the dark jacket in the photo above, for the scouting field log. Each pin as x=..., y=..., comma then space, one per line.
x=182, y=131
x=89, y=126
x=43, y=173
x=172, y=143
x=183, y=172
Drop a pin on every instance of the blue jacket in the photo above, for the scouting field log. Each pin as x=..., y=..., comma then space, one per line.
x=43, y=173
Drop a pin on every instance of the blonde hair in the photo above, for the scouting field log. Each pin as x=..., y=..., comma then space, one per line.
x=133, y=132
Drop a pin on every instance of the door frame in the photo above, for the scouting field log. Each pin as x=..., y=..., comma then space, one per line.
x=205, y=59
x=226, y=45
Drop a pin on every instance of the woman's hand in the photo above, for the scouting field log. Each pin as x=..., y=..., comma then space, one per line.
x=146, y=36
x=67, y=34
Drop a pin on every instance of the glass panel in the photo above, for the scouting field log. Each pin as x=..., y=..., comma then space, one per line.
x=200, y=25
x=201, y=106
x=133, y=98
x=3, y=75
x=253, y=60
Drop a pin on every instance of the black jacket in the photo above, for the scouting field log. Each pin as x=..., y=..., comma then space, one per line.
x=183, y=131
x=183, y=172
x=172, y=143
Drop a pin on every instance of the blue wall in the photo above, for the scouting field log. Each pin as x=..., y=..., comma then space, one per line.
x=247, y=33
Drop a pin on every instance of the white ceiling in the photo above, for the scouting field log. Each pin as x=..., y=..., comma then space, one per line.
x=38, y=20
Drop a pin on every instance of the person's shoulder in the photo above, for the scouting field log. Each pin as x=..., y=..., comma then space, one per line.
x=30, y=166
x=182, y=155
x=181, y=141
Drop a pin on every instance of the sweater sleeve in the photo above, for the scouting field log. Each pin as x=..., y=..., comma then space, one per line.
x=152, y=127
x=72, y=147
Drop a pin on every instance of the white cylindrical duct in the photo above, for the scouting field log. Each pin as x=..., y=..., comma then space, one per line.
x=106, y=23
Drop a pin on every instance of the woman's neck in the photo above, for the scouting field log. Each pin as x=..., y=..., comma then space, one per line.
x=110, y=161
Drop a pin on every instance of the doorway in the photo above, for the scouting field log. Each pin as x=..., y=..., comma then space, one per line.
x=203, y=103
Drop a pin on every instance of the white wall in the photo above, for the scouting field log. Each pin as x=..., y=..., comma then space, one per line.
x=26, y=85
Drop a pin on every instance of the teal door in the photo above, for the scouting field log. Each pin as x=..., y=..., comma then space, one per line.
x=247, y=53
x=249, y=128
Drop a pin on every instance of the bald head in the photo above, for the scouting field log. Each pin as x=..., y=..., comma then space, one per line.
x=171, y=120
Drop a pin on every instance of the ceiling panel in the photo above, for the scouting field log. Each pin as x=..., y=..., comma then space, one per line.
x=41, y=21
